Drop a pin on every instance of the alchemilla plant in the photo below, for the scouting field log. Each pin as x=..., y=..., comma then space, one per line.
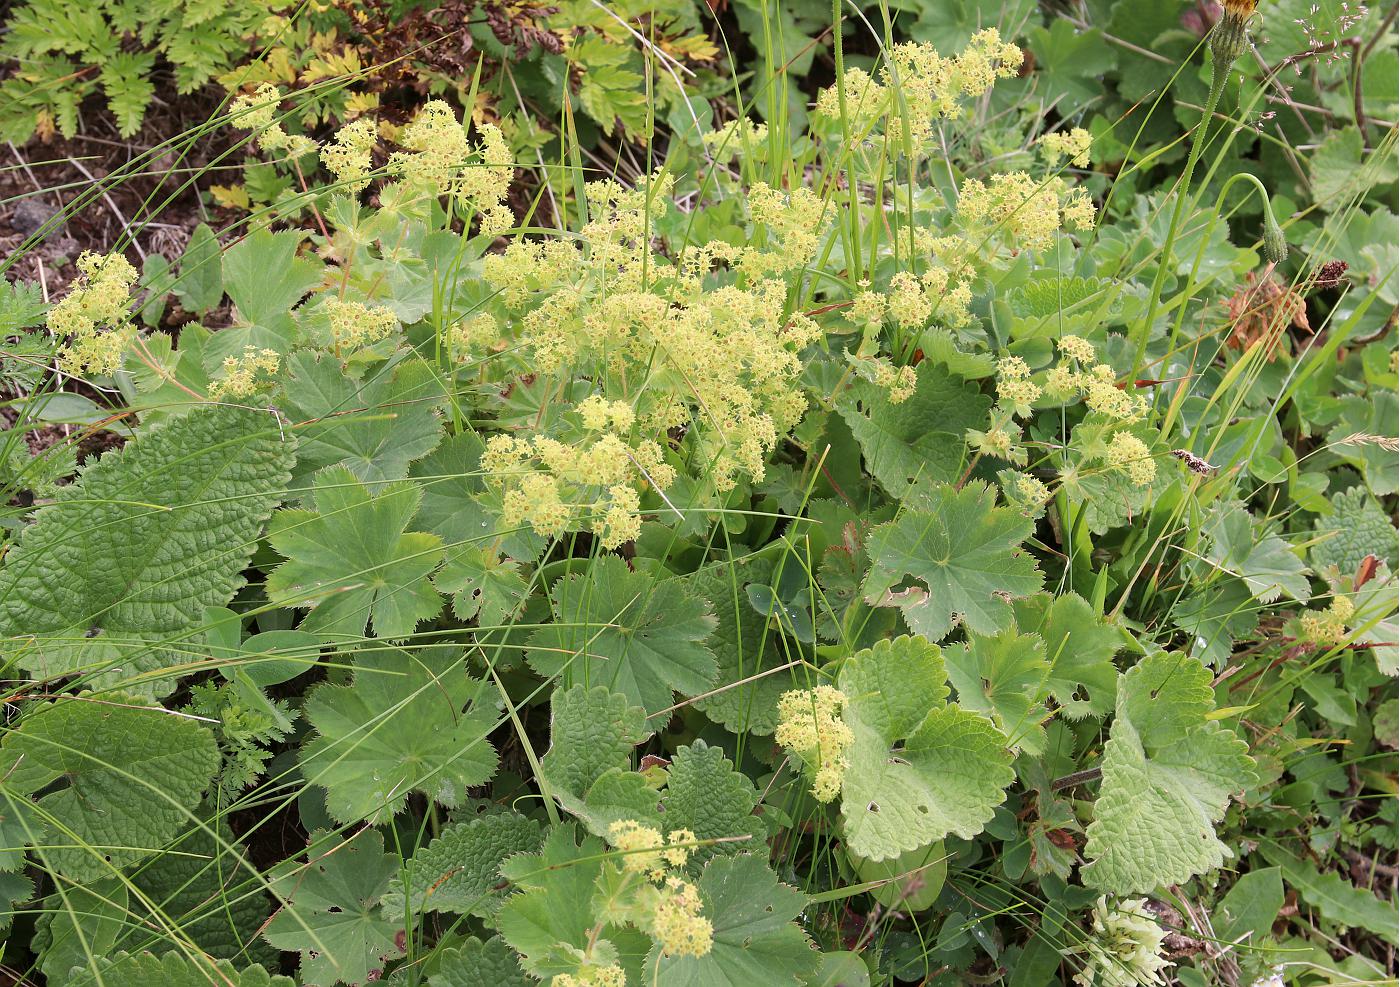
x=873, y=541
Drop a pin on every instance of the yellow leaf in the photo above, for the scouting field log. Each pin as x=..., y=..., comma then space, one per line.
x=231, y=196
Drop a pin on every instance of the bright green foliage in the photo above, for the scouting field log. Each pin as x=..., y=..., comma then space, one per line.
x=200, y=286
x=66, y=53
x=920, y=768
x=1216, y=616
x=755, y=939
x=1168, y=772
x=638, y=636
x=114, y=578
x=379, y=577
x=459, y=871
x=265, y=277
x=963, y=550
x=79, y=925
x=552, y=912
x=592, y=731
x=407, y=722
x=1267, y=564
x=130, y=777
x=1336, y=899
x=1079, y=645
x=476, y=962
x=1004, y=677
x=921, y=438
x=485, y=587
x=373, y=427
x=331, y=909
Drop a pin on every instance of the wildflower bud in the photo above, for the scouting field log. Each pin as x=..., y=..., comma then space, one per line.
x=1229, y=38
x=1275, y=243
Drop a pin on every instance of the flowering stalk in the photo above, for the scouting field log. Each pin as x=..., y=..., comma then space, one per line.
x=1227, y=42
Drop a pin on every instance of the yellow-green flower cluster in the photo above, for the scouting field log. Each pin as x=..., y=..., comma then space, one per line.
x=479, y=332
x=554, y=486
x=355, y=324
x=899, y=382
x=676, y=923
x=610, y=975
x=1129, y=454
x=93, y=316
x=349, y=156
x=1024, y=492
x=258, y=112
x=1099, y=385
x=1327, y=626
x=1077, y=348
x=1027, y=212
x=918, y=86
x=667, y=907
x=811, y=729
x=440, y=159
x=1073, y=144
x=247, y=374
x=1124, y=948
x=1016, y=392
x=794, y=221
x=913, y=301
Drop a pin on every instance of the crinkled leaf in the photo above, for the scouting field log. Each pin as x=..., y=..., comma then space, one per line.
x=175, y=970
x=921, y=438
x=459, y=871
x=1168, y=773
x=755, y=938
x=964, y=552
x=130, y=777
x=475, y=963
x=330, y=909
x=409, y=721
x=919, y=769
x=1356, y=528
x=638, y=636
x=705, y=795
x=115, y=577
x=352, y=561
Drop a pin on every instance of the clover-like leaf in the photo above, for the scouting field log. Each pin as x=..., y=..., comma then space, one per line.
x=1079, y=645
x=114, y=576
x=635, y=634
x=551, y=915
x=919, y=768
x=921, y=438
x=353, y=562
x=1005, y=677
x=373, y=427
x=755, y=938
x=408, y=722
x=1168, y=772
x=1265, y=562
x=964, y=550
x=331, y=911
x=116, y=780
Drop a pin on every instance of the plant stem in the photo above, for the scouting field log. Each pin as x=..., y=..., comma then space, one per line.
x=1220, y=71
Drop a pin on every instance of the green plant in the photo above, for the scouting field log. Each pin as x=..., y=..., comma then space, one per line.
x=860, y=551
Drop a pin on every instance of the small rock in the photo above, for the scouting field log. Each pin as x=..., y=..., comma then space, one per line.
x=30, y=215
